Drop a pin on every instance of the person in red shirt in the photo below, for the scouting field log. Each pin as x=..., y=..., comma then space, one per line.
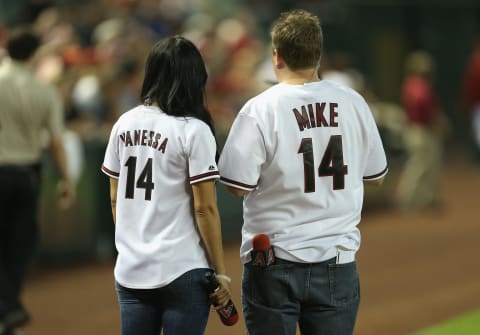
x=419, y=101
x=418, y=185
x=471, y=91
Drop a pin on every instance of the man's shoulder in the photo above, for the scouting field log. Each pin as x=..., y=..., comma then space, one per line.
x=343, y=90
x=262, y=100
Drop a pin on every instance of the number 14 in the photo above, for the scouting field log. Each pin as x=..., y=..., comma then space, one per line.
x=331, y=164
x=144, y=180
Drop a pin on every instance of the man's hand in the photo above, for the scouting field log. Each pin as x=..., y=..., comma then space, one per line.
x=66, y=194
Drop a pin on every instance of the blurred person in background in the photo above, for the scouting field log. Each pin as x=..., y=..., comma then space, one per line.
x=232, y=53
x=391, y=121
x=337, y=67
x=418, y=186
x=471, y=93
x=29, y=108
x=300, y=153
x=161, y=160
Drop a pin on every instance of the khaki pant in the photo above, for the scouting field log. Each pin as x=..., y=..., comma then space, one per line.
x=418, y=185
x=476, y=125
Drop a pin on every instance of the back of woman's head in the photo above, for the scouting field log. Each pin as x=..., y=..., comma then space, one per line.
x=175, y=78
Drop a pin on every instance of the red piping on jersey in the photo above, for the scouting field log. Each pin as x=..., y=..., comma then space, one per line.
x=237, y=183
x=203, y=175
x=107, y=171
x=377, y=175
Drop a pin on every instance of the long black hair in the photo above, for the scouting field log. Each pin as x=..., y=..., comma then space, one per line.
x=175, y=78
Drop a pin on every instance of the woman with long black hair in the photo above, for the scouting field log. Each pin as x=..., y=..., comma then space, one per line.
x=161, y=160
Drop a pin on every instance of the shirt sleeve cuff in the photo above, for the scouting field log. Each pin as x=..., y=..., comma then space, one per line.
x=109, y=172
x=377, y=175
x=237, y=184
x=204, y=176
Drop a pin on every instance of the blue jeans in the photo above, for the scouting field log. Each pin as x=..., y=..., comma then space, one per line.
x=323, y=298
x=180, y=308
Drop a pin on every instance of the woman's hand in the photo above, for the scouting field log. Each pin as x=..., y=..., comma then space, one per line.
x=222, y=295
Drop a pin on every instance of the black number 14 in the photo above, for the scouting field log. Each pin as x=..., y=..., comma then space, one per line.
x=331, y=164
x=144, y=180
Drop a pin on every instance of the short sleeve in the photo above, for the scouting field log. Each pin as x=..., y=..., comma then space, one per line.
x=111, y=162
x=201, y=150
x=376, y=166
x=243, y=154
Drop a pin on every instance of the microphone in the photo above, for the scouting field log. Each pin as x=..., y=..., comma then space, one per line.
x=228, y=314
x=262, y=253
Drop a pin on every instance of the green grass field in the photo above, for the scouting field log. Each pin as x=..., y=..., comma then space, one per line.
x=468, y=324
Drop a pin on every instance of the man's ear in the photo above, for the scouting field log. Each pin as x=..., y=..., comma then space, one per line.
x=278, y=60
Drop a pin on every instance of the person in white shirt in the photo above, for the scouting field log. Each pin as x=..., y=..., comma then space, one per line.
x=300, y=153
x=30, y=109
x=161, y=160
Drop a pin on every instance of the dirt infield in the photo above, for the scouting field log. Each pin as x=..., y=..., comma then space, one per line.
x=416, y=269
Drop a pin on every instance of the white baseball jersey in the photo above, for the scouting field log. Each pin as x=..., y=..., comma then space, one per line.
x=155, y=158
x=303, y=152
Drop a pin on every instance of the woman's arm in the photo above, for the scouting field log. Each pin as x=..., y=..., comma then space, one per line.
x=208, y=222
x=113, y=197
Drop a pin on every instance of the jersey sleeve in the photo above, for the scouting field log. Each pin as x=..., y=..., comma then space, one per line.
x=376, y=166
x=201, y=151
x=243, y=154
x=111, y=162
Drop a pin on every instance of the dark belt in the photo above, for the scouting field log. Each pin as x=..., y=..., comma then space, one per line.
x=36, y=167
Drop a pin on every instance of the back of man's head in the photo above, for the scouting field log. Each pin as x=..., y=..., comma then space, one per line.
x=298, y=38
x=419, y=63
x=22, y=44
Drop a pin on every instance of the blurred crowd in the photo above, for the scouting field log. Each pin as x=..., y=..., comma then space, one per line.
x=94, y=53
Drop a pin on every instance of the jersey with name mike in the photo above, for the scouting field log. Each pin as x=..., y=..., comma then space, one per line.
x=313, y=115
x=155, y=157
x=303, y=152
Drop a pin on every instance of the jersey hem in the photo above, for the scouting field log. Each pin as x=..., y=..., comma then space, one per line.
x=109, y=172
x=163, y=283
x=287, y=256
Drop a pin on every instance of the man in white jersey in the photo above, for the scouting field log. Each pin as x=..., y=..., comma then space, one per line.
x=161, y=162
x=300, y=153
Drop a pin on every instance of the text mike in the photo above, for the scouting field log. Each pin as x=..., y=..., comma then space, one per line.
x=262, y=253
x=228, y=314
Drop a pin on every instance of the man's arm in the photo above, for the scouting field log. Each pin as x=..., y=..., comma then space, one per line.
x=236, y=191
x=66, y=187
x=375, y=182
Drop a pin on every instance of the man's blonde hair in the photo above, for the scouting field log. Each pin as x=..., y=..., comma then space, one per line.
x=297, y=36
